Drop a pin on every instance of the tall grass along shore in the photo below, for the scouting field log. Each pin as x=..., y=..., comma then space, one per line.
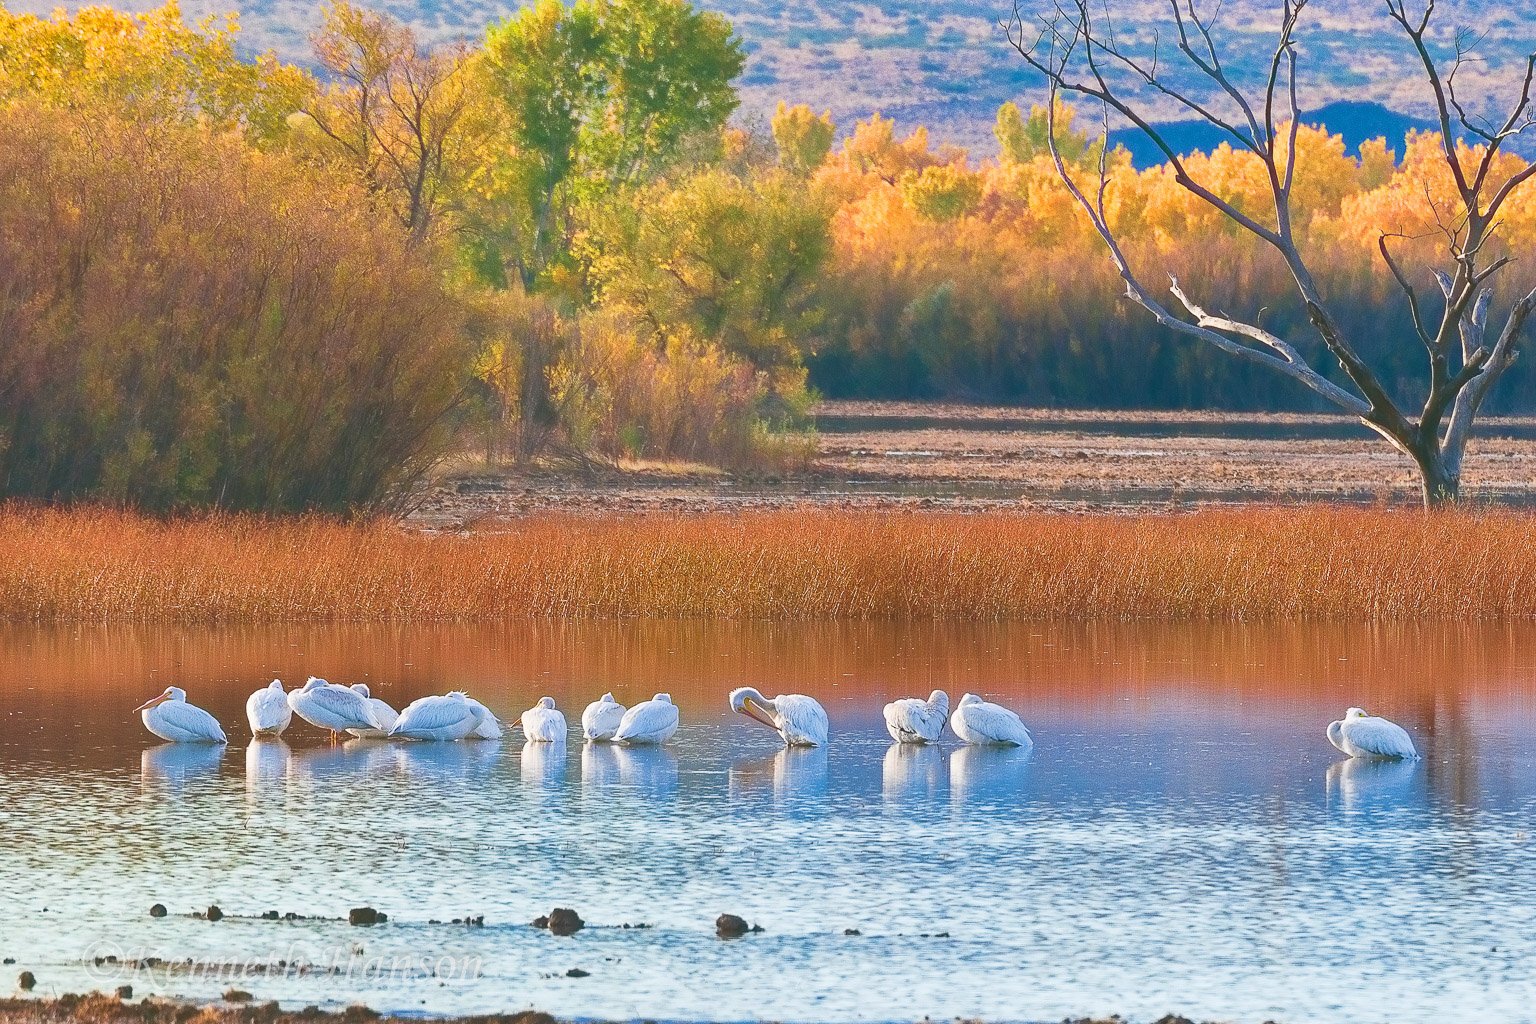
x=1254, y=563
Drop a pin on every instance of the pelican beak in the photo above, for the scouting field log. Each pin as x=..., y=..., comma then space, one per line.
x=756, y=711
x=152, y=702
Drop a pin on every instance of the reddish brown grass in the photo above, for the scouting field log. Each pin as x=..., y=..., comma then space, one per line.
x=1273, y=563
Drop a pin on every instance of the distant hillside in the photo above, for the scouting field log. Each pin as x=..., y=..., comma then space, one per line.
x=946, y=63
x=1357, y=122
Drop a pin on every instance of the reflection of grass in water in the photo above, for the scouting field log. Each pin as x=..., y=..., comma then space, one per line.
x=1269, y=563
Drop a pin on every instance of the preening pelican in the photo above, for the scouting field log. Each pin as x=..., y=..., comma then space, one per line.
x=170, y=717
x=978, y=721
x=337, y=709
x=913, y=720
x=383, y=715
x=451, y=716
x=799, y=719
x=489, y=727
x=1363, y=735
x=601, y=719
x=650, y=721
x=543, y=723
x=267, y=710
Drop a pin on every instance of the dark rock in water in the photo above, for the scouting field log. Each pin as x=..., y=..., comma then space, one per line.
x=852, y=931
x=125, y=991
x=577, y=972
x=1173, y=1018
x=271, y=915
x=729, y=926
x=214, y=913
x=564, y=921
x=478, y=921
x=8, y=960
x=27, y=982
x=365, y=915
x=290, y=916
x=540, y=922
x=158, y=910
x=236, y=995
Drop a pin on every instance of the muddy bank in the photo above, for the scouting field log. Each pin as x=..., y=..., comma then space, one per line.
x=100, y=1009
x=874, y=455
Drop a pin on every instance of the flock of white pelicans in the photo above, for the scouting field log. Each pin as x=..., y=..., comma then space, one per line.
x=799, y=720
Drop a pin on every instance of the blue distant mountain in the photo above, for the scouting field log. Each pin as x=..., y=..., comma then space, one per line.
x=1357, y=122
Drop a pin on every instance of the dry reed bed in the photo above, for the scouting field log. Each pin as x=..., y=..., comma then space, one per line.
x=1315, y=561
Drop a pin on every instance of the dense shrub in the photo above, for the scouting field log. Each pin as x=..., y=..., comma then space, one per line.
x=187, y=321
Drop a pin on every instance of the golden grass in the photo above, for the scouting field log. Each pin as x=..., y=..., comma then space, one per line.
x=1255, y=563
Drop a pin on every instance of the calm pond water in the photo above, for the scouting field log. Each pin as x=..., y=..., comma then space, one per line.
x=1182, y=836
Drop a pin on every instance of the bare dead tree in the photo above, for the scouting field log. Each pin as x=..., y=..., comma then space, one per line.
x=1073, y=43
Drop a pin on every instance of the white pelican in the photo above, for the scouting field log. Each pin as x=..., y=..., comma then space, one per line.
x=543, y=723
x=383, y=715
x=170, y=717
x=267, y=710
x=337, y=709
x=489, y=727
x=914, y=720
x=978, y=721
x=797, y=718
x=601, y=719
x=451, y=716
x=650, y=721
x=1363, y=735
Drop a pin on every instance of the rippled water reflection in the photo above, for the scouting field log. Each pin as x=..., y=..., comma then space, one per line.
x=1182, y=836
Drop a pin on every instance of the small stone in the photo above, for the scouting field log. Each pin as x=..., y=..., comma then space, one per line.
x=363, y=915
x=214, y=913
x=540, y=922
x=271, y=915
x=125, y=991
x=852, y=931
x=27, y=982
x=577, y=972
x=158, y=910
x=1173, y=1018
x=564, y=921
x=236, y=995
x=729, y=926
x=9, y=960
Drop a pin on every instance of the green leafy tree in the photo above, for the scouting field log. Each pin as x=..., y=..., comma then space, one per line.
x=598, y=95
x=804, y=140
x=1021, y=141
x=730, y=260
x=940, y=193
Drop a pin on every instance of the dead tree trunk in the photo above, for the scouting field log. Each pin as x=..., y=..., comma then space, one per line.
x=1079, y=53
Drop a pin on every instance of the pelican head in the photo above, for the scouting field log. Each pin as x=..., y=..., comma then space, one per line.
x=746, y=700
x=607, y=699
x=547, y=703
x=171, y=693
x=939, y=699
x=663, y=698
x=1354, y=714
x=276, y=684
x=361, y=688
x=969, y=698
x=314, y=683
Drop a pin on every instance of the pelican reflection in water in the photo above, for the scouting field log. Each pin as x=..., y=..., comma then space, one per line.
x=797, y=775
x=171, y=766
x=446, y=762
x=352, y=761
x=266, y=764
x=1360, y=783
x=911, y=771
x=987, y=774
x=543, y=765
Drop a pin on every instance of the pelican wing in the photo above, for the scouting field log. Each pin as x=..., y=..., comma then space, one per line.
x=910, y=720
x=437, y=718
x=1378, y=737
x=601, y=719
x=337, y=708
x=984, y=722
x=650, y=721
x=487, y=725
x=187, y=723
x=802, y=720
